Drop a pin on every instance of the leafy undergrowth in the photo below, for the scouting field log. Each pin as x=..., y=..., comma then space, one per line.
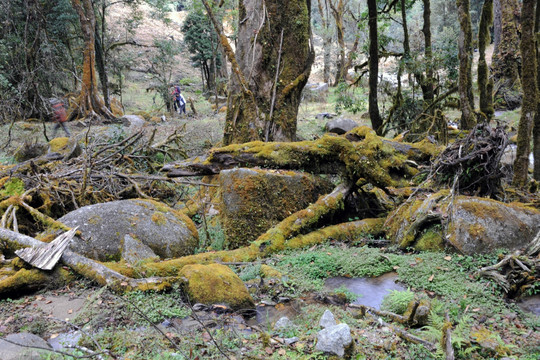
x=162, y=326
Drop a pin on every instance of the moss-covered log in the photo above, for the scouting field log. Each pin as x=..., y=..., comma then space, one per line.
x=360, y=156
x=88, y=268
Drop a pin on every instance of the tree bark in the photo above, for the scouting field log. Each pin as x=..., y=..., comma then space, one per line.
x=327, y=40
x=530, y=93
x=428, y=83
x=485, y=85
x=536, y=128
x=374, y=115
x=90, y=103
x=465, y=65
x=253, y=113
x=338, y=11
x=507, y=59
x=497, y=25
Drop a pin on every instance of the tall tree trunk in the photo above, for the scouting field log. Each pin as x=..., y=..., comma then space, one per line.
x=536, y=126
x=338, y=11
x=100, y=64
x=327, y=40
x=485, y=84
x=506, y=59
x=374, y=115
x=530, y=93
x=90, y=103
x=271, y=66
x=497, y=25
x=465, y=65
x=428, y=83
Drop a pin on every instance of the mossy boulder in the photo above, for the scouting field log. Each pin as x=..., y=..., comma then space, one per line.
x=482, y=225
x=469, y=224
x=252, y=201
x=216, y=284
x=69, y=148
x=167, y=232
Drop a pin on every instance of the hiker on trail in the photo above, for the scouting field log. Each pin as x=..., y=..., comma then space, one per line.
x=177, y=97
x=182, y=104
x=59, y=116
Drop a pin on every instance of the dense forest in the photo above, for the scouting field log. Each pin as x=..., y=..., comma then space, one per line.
x=302, y=179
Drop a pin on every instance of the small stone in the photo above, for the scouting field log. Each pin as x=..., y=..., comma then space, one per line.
x=327, y=320
x=268, y=303
x=290, y=341
x=199, y=307
x=334, y=340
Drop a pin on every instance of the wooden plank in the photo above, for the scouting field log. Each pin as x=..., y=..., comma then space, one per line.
x=46, y=256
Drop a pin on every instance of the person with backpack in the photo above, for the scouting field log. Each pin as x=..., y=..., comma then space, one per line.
x=59, y=117
x=177, y=97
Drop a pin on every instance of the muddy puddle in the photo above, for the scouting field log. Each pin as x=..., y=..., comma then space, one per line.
x=370, y=291
x=530, y=304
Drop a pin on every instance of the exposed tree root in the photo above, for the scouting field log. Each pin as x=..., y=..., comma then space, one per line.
x=515, y=273
x=475, y=161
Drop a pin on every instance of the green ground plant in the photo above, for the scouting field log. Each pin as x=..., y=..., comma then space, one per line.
x=397, y=301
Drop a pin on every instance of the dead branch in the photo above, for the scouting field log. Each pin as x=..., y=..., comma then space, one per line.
x=449, y=349
x=395, y=317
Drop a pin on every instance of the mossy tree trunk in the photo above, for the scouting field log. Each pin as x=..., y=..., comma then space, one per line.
x=530, y=93
x=374, y=114
x=507, y=58
x=89, y=101
x=465, y=65
x=485, y=85
x=274, y=55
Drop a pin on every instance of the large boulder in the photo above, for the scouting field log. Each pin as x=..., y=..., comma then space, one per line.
x=340, y=126
x=472, y=225
x=255, y=200
x=215, y=284
x=316, y=92
x=167, y=232
x=27, y=348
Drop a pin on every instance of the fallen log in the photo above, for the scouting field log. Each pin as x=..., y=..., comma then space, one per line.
x=360, y=156
x=88, y=268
